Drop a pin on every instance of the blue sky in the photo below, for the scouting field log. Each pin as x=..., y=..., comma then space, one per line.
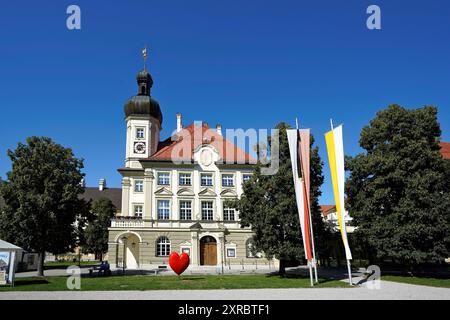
x=244, y=64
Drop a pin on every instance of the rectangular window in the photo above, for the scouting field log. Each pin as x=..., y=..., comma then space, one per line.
x=185, y=210
x=231, y=252
x=163, y=178
x=228, y=214
x=246, y=177
x=186, y=250
x=227, y=180
x=163, y=209
x=138, y=186
x=206, y=179
x=138, y=210
x=207, y=210
x=185, y=179
x=140, y=133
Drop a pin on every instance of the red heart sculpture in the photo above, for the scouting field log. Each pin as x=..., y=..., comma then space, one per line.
x=179, y=263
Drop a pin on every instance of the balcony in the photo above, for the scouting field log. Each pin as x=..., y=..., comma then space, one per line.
x=127, y=222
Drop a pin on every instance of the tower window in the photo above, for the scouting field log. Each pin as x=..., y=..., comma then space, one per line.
x=140, y=133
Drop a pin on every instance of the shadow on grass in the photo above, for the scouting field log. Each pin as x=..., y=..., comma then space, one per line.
x=19, y=283
x=297, y=276
x=190, y=279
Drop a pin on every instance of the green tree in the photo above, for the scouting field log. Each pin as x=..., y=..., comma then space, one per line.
x=398, y=189
x=96, y=232
x=269, y=206
x=42, y=198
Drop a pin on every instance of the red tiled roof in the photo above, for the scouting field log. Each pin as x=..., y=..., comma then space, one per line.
x=326, y=209
x=445, y=149
x=182, y=147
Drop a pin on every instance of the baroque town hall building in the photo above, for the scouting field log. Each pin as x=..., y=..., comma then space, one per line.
x=175, y=192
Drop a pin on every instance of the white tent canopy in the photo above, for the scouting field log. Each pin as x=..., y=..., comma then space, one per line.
x=8, y=251
x=6, y=246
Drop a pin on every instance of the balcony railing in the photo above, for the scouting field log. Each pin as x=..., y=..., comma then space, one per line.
x=127, y=222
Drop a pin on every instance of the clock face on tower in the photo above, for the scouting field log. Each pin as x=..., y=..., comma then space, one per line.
x=139, y=147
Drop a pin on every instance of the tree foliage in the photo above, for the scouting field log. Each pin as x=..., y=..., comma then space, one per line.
x=398, y=190
x=96, y=232
x=42, y=198
x=268, y=205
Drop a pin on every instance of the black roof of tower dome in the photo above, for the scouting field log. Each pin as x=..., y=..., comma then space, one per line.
x=143, y=103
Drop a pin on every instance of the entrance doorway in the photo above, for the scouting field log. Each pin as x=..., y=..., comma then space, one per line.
x=130, y=254
x=208, y=251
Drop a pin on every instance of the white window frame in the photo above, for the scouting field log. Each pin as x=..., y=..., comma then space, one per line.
x=208, y=174
x=180, y=174
x=227, y=179
x=158, y=201
x=141, y=183
x=246, y=174
x=212, y=210
x=225, y=208
x=135, y=206
x=180, y=208
x=163, y=249
x=165, y=173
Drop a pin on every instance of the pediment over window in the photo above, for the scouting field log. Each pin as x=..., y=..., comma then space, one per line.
x=229, y=193
x=185, y=192
x=163, y=192
x=185, y=244
x=207, y=192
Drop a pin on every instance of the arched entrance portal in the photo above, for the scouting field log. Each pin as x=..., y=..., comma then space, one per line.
x=208, y=251
x=130, y=254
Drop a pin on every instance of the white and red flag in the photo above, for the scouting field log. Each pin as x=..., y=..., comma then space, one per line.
x=299, y=141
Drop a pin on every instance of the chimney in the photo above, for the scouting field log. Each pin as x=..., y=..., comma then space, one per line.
x=102, y=184
x=179, y=125
x=219, y=129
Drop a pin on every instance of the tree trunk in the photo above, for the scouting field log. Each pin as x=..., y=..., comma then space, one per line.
x=40, y=271
x=282, y=270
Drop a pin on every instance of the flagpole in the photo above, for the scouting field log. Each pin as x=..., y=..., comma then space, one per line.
x=310, y=274
x=314, y=264
x=349, y=272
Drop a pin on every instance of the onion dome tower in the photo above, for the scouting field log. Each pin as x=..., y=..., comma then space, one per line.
x=144, y=119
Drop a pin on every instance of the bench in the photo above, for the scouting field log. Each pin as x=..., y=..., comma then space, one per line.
x=100, y=270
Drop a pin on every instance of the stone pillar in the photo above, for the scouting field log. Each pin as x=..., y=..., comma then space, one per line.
x=126, y=184
x=195, y=249
x=148, y=192
x=221, y=251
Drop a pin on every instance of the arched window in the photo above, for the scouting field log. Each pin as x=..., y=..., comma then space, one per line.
x=162, y=247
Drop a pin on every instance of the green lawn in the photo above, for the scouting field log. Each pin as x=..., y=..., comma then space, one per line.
x=169, y=282
x=433, y=282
